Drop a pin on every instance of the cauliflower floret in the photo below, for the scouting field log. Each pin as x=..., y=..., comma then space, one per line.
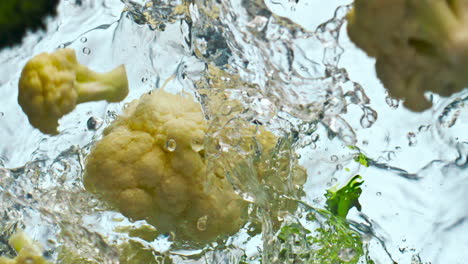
x=52, y=84
x=29, y=252
x=420, y=45
x=150, y=166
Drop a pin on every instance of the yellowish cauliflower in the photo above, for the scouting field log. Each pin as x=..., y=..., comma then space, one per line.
x=29, y=252
x=150, y=165
x=51, y=85
x=420, y=45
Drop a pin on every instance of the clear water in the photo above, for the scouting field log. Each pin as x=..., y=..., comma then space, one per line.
x=294, y=69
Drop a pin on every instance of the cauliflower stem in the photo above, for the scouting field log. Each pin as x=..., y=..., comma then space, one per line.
x=93, y=86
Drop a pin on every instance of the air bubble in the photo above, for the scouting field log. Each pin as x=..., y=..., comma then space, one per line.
x=393, y=103
x=28, y=261
x=334, y=158
x=347, y=254
x=315, y=137
x=412, y=141
x=94, y=123
x=424, y=128
x=368, y=118
x=197, y=145
x=378, y=193
x=86, y=50
x=83, y=39
x=171, y=145
x=227, y=110
x=202, y=222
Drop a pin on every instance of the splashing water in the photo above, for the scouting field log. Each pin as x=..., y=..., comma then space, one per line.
x=293, y=70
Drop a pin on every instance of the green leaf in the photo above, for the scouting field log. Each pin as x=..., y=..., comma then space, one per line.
x=339, y=202
x=288, y=231
x=362, y=159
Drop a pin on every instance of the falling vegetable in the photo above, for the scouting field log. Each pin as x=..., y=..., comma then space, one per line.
x=151, y=165
x=51, y=85
x=340, y=201
x=420, y=45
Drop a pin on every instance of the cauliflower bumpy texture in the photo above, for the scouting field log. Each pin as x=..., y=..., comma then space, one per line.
x=150, y=165
x=29, y=252
x=420, y=45
x=51, y=85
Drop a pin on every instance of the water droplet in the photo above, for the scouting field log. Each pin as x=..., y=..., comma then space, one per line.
x=171, y=145
x=94, y=123
x=315, y=137
x=347, y=254
x=369, y=117
x=83, y=39
x=424, y=128
x=416, y=259
x=197, y=144
x=391, y=155
x=378, y=193
x=28, y=261
x=360, y=94
x=334, y=158
x=412, y=141
x=393, y=103
x=227, y=110
x=86, y=50
x=202, y=222
x=332, y=182
x=112, y=114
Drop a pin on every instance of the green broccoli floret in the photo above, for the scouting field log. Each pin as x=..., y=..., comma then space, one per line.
x=420, y=45
x=19, y=16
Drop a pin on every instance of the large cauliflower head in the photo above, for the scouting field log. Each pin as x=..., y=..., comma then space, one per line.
x=46, y=89
x=420, y=45
x=150, y=165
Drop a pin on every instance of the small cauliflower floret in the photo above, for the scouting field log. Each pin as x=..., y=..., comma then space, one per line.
x=150, y=165
x=29, y=252
x=51, y=85
x=420, y=45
